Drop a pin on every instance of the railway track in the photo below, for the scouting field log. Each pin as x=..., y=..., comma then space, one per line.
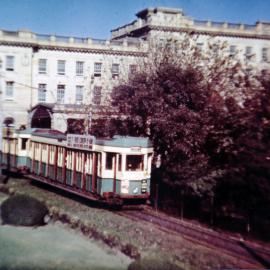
x=247, y=253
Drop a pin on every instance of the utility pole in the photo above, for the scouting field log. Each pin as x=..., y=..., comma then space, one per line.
x=89, y=121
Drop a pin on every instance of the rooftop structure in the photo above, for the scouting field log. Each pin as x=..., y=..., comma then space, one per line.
x=174, y=20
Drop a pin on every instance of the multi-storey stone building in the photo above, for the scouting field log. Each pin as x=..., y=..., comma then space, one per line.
x=252, y=42
x=59, y=73
x=46, y=80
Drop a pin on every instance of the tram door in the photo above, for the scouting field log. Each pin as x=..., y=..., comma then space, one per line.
x=95, y=170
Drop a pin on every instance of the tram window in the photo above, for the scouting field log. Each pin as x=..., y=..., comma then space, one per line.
x=134, y=163
x=120, y=163
x=149, y=160
x=109, y=160
x=24, y=141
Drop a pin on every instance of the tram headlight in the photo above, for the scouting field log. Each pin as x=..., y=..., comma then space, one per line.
x=144, y=186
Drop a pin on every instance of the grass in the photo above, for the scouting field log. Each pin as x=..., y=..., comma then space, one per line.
x=149, y=241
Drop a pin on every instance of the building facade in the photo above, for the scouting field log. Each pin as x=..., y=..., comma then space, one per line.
x=251, y=42
x=46, y=80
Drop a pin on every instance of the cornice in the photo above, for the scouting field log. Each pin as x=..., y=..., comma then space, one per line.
x=38, y=46
x=207, y=32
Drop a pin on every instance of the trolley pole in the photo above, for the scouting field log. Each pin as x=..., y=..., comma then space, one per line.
x=8, y=154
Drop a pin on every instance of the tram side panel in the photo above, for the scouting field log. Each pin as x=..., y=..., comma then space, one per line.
x=4, y=151
x=69, y=168
x=60, y=174
x=108, y=179
x=43, y=160
x=35, y=160
x=88, y=171
x=79, y=171
x=51, y=163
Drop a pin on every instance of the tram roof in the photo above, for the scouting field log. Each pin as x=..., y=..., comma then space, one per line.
x=116, y=141
x=49, y=133
x=125, y=141
x=25, y=131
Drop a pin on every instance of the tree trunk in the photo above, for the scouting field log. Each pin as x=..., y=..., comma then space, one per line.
x=157, y=197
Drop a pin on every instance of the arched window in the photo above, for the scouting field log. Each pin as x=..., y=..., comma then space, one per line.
x=41, y=118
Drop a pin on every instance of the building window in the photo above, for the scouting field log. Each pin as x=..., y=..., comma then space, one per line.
x=132, y=69
x=42, y=66
x=264, y=54
x=232, y=51
x=199, y=46
x=248, y=71
x=61, y=69
x=10, y=63
x=97, y=69
x=1, y=63
x=97, y=95
x=41, y=92
x=215, y=49
x=60, y=93
x=79, y=93
x=161, y=43
x=79, y=68
x=9, y=89
x=115, y=70
x=248, y=51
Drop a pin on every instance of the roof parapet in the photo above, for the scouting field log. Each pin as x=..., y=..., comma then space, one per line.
x=34, y=39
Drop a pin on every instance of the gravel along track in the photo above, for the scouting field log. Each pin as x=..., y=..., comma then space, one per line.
x=246, y=252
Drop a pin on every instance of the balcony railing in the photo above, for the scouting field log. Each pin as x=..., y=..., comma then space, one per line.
x=43, y=37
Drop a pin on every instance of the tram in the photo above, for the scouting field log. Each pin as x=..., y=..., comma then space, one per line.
x=115, y=170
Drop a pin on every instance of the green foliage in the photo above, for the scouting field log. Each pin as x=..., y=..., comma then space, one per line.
x=23, y=210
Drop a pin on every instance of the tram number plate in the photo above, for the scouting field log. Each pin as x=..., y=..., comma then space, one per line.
x=144, y=186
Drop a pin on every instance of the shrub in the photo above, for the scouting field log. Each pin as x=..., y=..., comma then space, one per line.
x=23, y=210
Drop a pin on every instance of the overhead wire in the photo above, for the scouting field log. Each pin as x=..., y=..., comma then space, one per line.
x=36, y=88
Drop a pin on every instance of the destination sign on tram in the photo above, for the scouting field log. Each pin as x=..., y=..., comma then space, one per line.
x=85, y=142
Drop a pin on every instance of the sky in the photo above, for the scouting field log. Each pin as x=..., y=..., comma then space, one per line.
x=95, y=18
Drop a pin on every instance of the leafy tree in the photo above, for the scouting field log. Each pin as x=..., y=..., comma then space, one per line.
x=179, y=98
x=246, y=184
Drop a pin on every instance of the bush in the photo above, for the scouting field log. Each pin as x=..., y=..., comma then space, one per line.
x=23, y=210
x=152, y=264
